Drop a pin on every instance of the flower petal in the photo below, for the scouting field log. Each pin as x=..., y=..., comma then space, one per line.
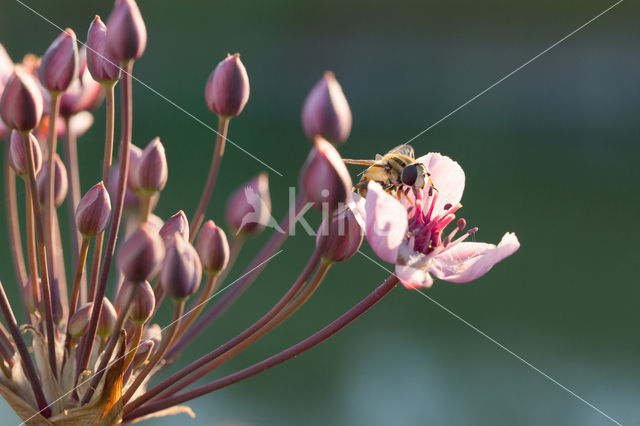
x=447, y=177
x=465, y=262
x=413, y=278
x=386, y=222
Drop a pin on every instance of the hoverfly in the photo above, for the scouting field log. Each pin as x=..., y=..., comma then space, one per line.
x=395, y=169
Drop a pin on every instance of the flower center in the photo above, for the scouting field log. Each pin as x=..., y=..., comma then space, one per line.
x=427, y=227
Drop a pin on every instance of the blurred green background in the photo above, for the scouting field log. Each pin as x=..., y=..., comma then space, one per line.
x=551, y=154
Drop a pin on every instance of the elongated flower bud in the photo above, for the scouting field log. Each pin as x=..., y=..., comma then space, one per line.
x=324, y=177
x=181, y=270
x=213, y=248
x=59, y=65
x=93, y=212
x=107, y=319
x=151, y=170
x=102, y=66
x=139, y=256
x=342, y=238
x=227, y=90
x=249, y=207
x=21, y=103
x=127, y=34
x=176, y=223
x=18, y=157
x=60, y=181
x=326, y=111
x=142, y=304
x=79, y=322
x=134, y=158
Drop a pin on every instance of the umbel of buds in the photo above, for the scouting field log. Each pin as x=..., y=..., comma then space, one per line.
x=342, y=237
x=17, y=156
x=150, y=171
x=93, y=212
x=213, y=248
x=227, y=90
x=102, y=66
x=59, y=65
x=21, y=103
x=142, y=301
x=326, y=111
x=176, y=223
x=249, y=206
x=139, y=256
x=127, y=34
x=181, y=270
x=60, y=181
x=324, y=178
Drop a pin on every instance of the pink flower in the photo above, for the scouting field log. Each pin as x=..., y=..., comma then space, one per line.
x=411, y=234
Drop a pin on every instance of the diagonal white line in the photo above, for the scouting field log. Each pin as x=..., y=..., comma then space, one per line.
x=515, y=71
x=500, y=345
x=158, y=334
x=154, y=91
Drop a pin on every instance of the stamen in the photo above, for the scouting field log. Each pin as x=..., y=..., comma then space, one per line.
x=447, y=206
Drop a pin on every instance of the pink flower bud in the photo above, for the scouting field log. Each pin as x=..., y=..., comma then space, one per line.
x=93, y=211
x=60, y=182
x=59, y=65
x=324, y=177
x=326, y=111
x=6, y=66
x=249, y=207
x=18, y=157
x=151, y=169
x=131, y=200
x=213, y=248
x=102, y=66
x=139, y=256
x=143, y=302
x=142, y=353
x=181, y=270
x=127, y=34
x=84, y=94
x=107, y=319
x=21, y=103
x=79, y=322
x=134, y=158
x=227, y=90
x=176, y=223
x=342, y=238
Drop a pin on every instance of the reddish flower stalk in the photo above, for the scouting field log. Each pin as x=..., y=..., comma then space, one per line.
x=71, y=160
x=49, y=207
x=127, y=117
x=13, y=225
x=106, y=165
x=295, y=350
x=184, y=372
x=207, y=192
x=282, y=315
x=42, y=253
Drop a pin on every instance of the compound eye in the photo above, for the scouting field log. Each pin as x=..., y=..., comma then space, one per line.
x=409, y=175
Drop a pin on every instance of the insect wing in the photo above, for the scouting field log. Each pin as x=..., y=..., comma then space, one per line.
x=403, y=149
x=359, y=162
